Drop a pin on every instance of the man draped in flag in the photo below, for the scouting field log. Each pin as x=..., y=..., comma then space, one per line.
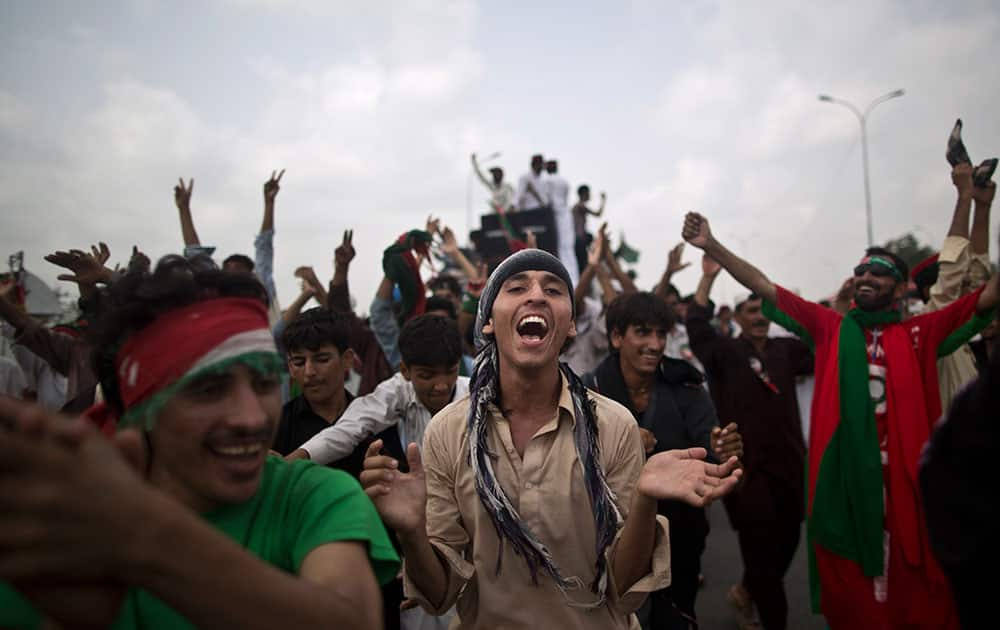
x=875, y=403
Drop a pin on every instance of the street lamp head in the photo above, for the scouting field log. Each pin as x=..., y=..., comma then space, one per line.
x=896, y=93
x=825, y=98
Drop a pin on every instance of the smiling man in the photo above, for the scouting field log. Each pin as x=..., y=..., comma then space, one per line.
x=875, y=402
x=318, y=358
x=752, y=379
x=211, y=532
x=673, y=411
x=530, y=504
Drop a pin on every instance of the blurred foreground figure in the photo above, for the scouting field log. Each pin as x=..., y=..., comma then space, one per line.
x=182, y=519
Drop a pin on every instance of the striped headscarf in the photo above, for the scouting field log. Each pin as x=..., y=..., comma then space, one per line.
x=484, y=388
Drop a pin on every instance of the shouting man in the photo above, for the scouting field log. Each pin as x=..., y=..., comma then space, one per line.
x=530, y=503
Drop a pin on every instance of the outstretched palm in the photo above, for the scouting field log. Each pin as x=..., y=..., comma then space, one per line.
x=400, y=498
x=683, y=475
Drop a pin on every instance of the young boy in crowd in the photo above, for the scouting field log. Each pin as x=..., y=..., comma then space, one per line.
x=427, y=381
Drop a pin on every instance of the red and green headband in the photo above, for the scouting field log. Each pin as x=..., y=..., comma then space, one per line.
x=188, y=343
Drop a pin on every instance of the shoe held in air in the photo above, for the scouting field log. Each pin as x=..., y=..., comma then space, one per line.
x=956, y=148
x=984, y=172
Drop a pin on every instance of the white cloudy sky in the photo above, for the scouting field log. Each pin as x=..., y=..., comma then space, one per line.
x=373, y=109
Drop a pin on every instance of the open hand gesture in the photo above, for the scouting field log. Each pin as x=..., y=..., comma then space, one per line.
x=696, y=230
x=400, y=498
x=433, y=225
x=86, y=268
x=674, y=263
x=271, y=186
x=682, y=475
x=449, y=244
x=182, y=195
x=344, y=254
x=598, y=249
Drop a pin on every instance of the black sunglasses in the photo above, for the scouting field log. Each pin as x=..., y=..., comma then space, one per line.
x=879, y=271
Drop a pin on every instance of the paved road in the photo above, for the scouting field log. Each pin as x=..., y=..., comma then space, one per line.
x=721, y=566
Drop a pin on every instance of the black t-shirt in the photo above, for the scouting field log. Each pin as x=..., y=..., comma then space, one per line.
x=299, y=423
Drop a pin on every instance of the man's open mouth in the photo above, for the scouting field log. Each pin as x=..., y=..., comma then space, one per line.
x=533, y=328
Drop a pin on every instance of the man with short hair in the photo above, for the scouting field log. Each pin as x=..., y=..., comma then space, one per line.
x=501, y=192
x=316, y=343
x=531, y=188
x=529, y=504
x=752, y=380
x=673, y=411
x=210, y=532
x=875, y=402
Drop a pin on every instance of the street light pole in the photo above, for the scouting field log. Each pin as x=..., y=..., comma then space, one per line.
x=863, y=122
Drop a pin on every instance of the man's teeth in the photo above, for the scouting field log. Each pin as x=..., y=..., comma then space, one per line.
x=239, y=451
x=533, y=319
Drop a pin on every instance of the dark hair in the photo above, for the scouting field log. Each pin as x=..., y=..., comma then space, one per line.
x=430, y=340
x=749, y=298
x=445, y=282
x=317, y=327
x=638, y=309
x=239, y=259
x=672, y=290
x=904, y=269
x=583, y=189
x=438, y=303
x=138, y=298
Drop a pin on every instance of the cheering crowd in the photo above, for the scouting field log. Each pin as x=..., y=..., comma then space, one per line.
x=532, y=444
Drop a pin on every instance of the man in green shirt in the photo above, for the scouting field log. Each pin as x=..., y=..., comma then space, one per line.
x=213, y=532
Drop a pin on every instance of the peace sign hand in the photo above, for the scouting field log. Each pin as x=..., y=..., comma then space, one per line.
x=271, y=186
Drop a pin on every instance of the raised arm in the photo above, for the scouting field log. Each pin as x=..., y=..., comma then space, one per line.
x=600, y=209
x=364, y=417
x=628, y=286
x=295, y=307
x=450, y=247
x=340, y=294
x=709, y=272
x=674, y=265
x=698, y=233
x=479, y=173
x=88, y=269
x=182, y=198
x=594, y=257
x=979, y=239
x=271, y=188
x=308, y=277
